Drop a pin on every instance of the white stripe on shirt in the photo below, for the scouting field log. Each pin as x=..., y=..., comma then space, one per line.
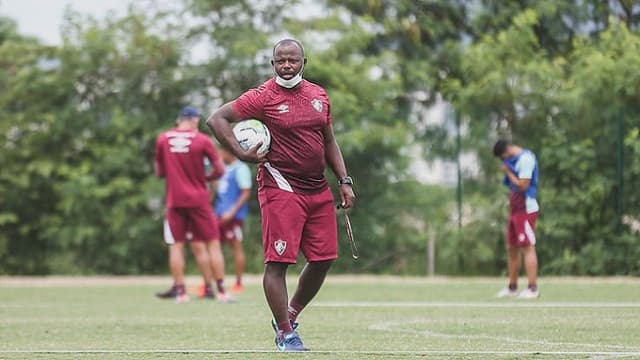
x=282, y=183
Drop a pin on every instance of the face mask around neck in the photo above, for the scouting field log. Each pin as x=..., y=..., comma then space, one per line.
x=291, y=82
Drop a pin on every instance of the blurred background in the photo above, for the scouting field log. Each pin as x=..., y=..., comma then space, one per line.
x=420, y=92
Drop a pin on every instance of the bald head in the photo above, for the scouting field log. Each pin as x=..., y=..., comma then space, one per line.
x=288, y=42
x=288, y=62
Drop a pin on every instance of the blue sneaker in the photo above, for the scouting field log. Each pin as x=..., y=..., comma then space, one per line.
x=290, y=342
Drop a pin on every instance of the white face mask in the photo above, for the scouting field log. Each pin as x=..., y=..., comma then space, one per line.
x=291, y=82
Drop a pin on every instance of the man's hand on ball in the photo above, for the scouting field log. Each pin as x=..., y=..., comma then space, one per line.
x=252, y=155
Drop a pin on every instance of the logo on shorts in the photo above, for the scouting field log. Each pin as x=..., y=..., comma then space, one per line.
x=280, y=246
x=317, y=104
x=522, y=237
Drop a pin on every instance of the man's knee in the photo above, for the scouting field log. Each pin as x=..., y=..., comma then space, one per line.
x=275, y=269
x=176, y=249
x=214, y=246
x=198, y=248
x=321, y=265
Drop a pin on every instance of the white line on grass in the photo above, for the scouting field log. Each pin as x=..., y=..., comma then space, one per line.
x=494, y=304
x=441, y=304
x=381, y=352
x=405, y=328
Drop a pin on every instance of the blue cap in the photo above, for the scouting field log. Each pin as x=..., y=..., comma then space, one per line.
x=189, y=111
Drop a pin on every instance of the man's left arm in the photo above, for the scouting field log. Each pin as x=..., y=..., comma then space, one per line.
x=334, y=159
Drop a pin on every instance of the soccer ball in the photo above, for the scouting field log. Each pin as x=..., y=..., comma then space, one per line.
x=250, y=132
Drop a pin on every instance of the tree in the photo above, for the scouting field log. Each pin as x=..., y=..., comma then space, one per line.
x=26, y=114
x=557, y=105
x=77, y=189
x=84, y=118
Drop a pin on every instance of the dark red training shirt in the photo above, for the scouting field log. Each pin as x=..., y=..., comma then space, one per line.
x=179, y=158
x=296, y=119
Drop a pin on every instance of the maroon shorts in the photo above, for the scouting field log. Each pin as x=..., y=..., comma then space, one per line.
x=231, y=230
x=521, y=229
x=196, y=223
x=293, y=222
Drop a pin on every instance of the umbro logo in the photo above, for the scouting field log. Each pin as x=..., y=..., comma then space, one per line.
x=283, y=109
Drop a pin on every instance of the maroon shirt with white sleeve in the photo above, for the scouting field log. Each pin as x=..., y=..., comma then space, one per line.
x=179, y=157
x=296, y=119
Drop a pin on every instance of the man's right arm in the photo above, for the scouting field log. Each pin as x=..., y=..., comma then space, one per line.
x=246, y=106
x=524, y=172
x=520, y=183
x=220, y=124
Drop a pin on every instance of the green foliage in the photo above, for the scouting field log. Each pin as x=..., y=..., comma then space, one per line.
x=78, y=123
x=84, y=128
x=26, y=169
x=566, y=108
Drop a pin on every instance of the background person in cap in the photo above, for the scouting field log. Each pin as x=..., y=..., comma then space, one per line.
x=178, y=158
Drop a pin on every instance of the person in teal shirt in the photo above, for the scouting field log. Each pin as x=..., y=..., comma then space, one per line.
x=232, y=192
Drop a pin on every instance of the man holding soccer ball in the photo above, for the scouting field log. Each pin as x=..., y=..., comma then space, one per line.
x=297, y=206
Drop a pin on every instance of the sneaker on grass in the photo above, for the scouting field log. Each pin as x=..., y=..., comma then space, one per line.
x=169, y=294
x=529, y=293
x=236, y=289
x=198, y=291
x=175, y=292
x=506, y=292
x=225, y=298
x=290, y=342
x=182, y=298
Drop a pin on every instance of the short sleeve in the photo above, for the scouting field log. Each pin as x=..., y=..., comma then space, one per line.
x=250, y=105
x=243, y=176
x=526, y=165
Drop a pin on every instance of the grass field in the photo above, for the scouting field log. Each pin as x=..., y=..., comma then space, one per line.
x=352, y=318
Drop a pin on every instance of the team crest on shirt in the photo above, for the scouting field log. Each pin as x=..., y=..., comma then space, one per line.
x=317, y=104
x=280, y=245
